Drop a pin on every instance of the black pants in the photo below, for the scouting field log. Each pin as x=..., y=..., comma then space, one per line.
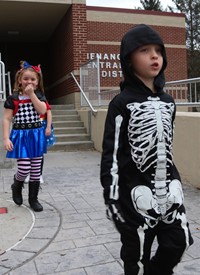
x=173, y=239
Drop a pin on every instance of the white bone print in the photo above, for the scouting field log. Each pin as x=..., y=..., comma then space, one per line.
x=146, y=203
x=150, y=137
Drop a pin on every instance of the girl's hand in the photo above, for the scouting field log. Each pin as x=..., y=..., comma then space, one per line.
x=48, y=131
x=29, y=89
x=8, y=145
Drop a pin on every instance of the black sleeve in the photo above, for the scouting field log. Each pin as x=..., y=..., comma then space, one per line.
x=109, y=160
x=9, y=104
x=41, y=96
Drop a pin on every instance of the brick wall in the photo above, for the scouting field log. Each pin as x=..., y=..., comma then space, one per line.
x=92, y=30
x=104, y=36
x=67, y=50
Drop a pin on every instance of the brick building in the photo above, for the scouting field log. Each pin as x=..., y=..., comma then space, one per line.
x=63, y=34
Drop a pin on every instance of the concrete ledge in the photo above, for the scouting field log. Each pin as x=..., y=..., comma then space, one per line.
x=186, y=141
x=187, y=147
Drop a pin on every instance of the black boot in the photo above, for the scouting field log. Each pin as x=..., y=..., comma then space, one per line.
x=17, y=191
x=33, y=193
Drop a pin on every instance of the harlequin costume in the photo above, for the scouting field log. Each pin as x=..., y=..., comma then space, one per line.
x=27, y=136
x=27, y=133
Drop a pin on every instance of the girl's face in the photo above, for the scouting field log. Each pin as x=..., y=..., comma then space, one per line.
x=28, y=77
x=147, y=61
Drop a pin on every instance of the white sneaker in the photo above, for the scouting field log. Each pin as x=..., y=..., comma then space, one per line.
x=41, y=179
x=27, y=179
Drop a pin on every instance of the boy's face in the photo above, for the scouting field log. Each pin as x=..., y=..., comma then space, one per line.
x=147, y=61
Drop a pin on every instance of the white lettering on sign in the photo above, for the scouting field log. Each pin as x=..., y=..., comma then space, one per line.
x=109, y=63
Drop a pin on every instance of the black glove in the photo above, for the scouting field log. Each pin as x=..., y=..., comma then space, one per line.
x=113, y=212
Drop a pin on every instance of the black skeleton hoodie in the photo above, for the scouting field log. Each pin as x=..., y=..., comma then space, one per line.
x=137, y=170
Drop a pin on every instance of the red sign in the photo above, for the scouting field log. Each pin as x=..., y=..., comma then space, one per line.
x=3, y=210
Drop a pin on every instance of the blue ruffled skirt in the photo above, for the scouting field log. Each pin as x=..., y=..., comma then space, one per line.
x=28, y=143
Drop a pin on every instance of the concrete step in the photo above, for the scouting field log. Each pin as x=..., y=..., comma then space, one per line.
x=66, y=118
x=69, y=130
x=62, y=124
x=64, y=112
x=63, y=107
x=72, y=146
x=71, y=135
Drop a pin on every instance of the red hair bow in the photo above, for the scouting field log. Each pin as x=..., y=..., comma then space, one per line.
x=37, y=68
x=26, y=65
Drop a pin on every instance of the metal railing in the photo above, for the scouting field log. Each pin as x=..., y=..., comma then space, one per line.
x=9, y=83
x=90, y=82
x=83, y=94
x=185, y=93
x=2, y=81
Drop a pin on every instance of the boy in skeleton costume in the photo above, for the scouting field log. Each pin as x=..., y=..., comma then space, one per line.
x=142, y=187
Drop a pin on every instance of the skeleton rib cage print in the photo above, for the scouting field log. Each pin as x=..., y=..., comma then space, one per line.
x=150, y=135
x=150, y=132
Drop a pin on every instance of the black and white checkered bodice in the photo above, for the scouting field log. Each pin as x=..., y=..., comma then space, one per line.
x=26, y=112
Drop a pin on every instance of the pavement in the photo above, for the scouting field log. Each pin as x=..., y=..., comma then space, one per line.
x=72, y=236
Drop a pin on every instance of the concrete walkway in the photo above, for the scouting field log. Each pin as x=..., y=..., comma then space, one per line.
x=72, y=235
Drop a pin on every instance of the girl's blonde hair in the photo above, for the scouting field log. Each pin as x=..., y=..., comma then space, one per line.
x=24, y=66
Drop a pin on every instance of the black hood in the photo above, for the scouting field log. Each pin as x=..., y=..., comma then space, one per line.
x=136, y=37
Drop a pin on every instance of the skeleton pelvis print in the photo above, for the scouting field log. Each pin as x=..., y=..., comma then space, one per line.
x=146, y=203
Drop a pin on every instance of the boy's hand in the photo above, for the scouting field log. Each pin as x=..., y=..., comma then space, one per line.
x=113, y=212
